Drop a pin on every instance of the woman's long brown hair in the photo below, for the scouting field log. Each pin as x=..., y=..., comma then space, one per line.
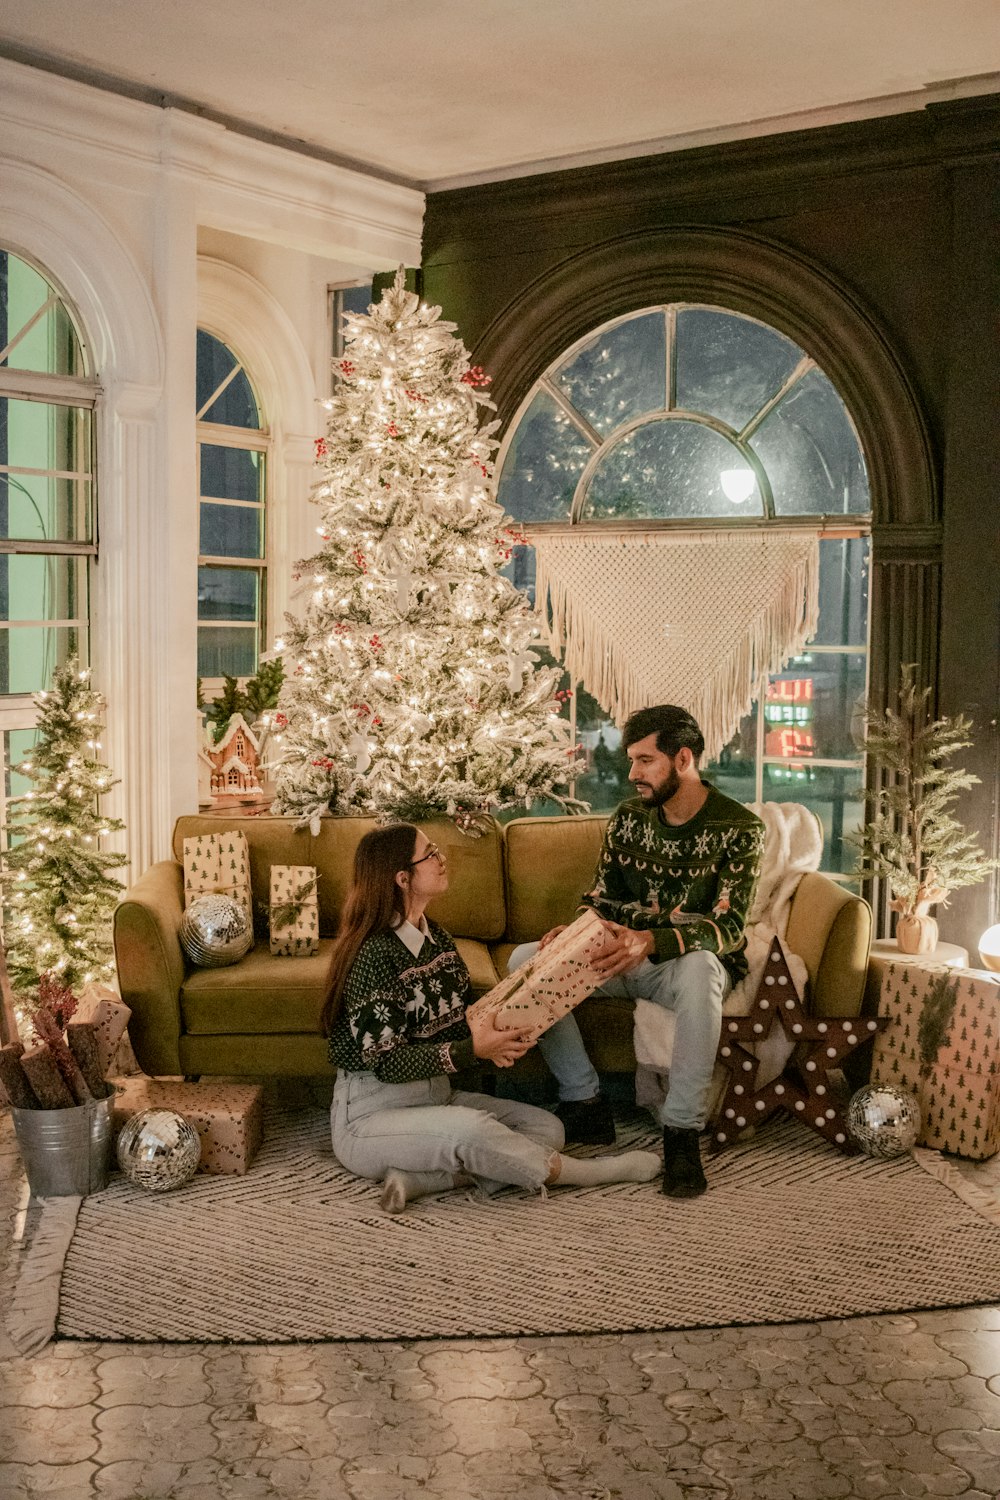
x=375, y=903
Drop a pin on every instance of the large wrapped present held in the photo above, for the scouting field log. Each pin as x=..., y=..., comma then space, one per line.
x=294, y=910
x=229, y=1117
x=218, y=862
x=942, y=1043
x=549, y=985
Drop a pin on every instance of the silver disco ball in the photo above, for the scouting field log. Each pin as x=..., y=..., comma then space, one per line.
x=883, y=1120
x=216, y=930
x=159, y=1150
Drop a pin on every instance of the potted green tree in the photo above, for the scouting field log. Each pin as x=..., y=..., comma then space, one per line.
x=912, y=838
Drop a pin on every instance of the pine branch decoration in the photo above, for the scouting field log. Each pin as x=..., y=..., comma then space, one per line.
x=935, y=1019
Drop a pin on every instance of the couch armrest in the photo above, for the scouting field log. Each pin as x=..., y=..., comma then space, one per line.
x=151, y=965
x=830, y=928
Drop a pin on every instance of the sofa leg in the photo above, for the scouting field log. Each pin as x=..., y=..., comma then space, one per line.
x=192, y=1077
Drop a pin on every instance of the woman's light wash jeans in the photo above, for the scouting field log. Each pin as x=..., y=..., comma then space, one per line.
x=426, y=1126
x=693, y=987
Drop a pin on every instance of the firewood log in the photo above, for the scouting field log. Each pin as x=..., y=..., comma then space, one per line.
x=15, y=1084
x=47, y=1082
x=84, y=1043
x=48, y=1030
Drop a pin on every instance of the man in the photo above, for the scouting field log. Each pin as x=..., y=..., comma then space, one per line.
x=674, y=884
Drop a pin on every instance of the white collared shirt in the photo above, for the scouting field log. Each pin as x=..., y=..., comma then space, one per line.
x=413, y=937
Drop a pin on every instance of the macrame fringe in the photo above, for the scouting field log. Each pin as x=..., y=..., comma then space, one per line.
x=596, y=654
x=31, y=1319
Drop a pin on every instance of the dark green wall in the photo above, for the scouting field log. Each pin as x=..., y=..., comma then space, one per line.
x=901, y=216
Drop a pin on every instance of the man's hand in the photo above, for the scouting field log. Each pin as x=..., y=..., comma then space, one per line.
x=503, y=1048
x=625, y=950
x=553, y=932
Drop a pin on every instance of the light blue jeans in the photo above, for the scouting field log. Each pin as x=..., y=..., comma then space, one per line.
x=693, y=987
x=426, y=1126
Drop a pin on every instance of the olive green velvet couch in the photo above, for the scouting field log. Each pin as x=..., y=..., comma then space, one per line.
x=261, y=1016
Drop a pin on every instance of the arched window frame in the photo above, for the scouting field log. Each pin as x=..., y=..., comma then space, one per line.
x=829, y=528
x=251, y=439
x=79, y=393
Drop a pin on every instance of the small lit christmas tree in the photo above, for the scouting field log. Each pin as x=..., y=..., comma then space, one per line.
x=412, y=688
x=57, y=892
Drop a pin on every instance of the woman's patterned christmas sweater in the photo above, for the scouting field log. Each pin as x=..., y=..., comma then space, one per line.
x=692, y=886
x=403, y=1018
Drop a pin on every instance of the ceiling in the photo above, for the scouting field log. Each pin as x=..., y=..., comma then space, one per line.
x=439, y=93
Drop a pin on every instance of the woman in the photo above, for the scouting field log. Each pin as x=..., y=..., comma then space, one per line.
x=395, y=1016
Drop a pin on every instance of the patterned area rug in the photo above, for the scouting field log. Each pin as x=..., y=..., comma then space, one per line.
x=790, y=1230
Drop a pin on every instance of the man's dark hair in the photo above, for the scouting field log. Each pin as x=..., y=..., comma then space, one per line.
x=674, y=729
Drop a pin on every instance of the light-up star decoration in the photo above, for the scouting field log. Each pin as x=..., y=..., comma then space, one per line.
x=803, y=1088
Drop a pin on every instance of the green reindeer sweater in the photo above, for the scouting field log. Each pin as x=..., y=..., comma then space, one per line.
x=692, y=886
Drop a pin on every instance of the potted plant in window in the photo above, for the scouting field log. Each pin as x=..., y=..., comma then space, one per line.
x=912, y=839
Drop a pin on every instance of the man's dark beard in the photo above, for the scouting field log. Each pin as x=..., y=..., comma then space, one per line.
x=659, y=795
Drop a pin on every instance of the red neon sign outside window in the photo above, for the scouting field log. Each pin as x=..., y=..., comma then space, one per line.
x=789, y=743
x=792, y=690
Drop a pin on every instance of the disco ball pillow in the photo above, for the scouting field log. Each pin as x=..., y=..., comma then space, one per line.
x=216, y=930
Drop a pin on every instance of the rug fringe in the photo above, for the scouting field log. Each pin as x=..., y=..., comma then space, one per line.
x=984, y=1200
x=31, y=1320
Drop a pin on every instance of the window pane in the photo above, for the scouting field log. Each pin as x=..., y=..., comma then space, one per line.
x=35, y=435
x=811, y=454
x=543, y=464
x=227, y=650
x=236, y=406
x=228, y=593
x=833, y=794
x=521, y=571
x=39, y=508
x=30, y=654
x=605, y=782
x=230, y=531
x=620, y=374
x=729, y=366
x=667, y=471
x=231, y=473
x=735, y=771
x=36, y=587
x=50, y=346
x=843, y=592
x=815, y=708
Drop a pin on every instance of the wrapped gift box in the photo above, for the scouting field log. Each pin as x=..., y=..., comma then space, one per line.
x=294, y=910
x=106, y=1010
x=549, y=985
x=942, y=1042
x=229, y=1117
x=218, y=862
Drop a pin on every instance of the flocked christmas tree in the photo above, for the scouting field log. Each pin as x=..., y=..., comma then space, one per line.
x=411, y=686
x=58, y=894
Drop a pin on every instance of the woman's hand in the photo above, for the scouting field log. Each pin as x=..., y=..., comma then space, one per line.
x=503, y=1048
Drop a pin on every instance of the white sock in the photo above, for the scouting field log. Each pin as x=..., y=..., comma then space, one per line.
x=631, y=1166
x=400, y=1188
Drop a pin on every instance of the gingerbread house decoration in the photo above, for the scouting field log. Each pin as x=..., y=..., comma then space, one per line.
x=235, y=760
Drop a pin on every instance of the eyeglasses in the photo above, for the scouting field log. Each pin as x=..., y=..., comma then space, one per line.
x=433, y=852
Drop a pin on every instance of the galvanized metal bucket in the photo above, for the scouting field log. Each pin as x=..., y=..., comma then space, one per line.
x=66, y=1152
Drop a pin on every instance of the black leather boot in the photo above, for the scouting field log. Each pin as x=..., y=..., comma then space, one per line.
x=682, y=1173
x=587, y=1122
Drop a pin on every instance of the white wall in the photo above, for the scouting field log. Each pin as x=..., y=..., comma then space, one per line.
x=151, y=221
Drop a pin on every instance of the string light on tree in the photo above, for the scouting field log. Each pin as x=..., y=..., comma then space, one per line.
x=57, y=891
x=411, y=684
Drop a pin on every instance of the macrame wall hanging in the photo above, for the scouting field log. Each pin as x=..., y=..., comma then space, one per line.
x=692, y=618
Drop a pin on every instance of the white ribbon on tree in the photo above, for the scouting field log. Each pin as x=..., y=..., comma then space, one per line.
x=693, y=618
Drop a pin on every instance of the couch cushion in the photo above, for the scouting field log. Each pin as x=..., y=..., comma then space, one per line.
x=549, y=865
x=258, y=995
x=476, y=957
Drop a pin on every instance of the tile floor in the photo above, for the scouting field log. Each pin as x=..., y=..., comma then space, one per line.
x=861, y=1409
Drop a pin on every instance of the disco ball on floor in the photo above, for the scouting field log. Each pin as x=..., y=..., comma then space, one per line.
x=159, y=1150
x=883, y=1120
x=216, y=930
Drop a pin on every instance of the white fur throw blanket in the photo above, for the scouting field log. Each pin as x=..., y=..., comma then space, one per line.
x=793, y=844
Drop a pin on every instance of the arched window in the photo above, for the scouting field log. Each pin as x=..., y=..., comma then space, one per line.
x=233, y=445
x=694, y=416
x=47, y=494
